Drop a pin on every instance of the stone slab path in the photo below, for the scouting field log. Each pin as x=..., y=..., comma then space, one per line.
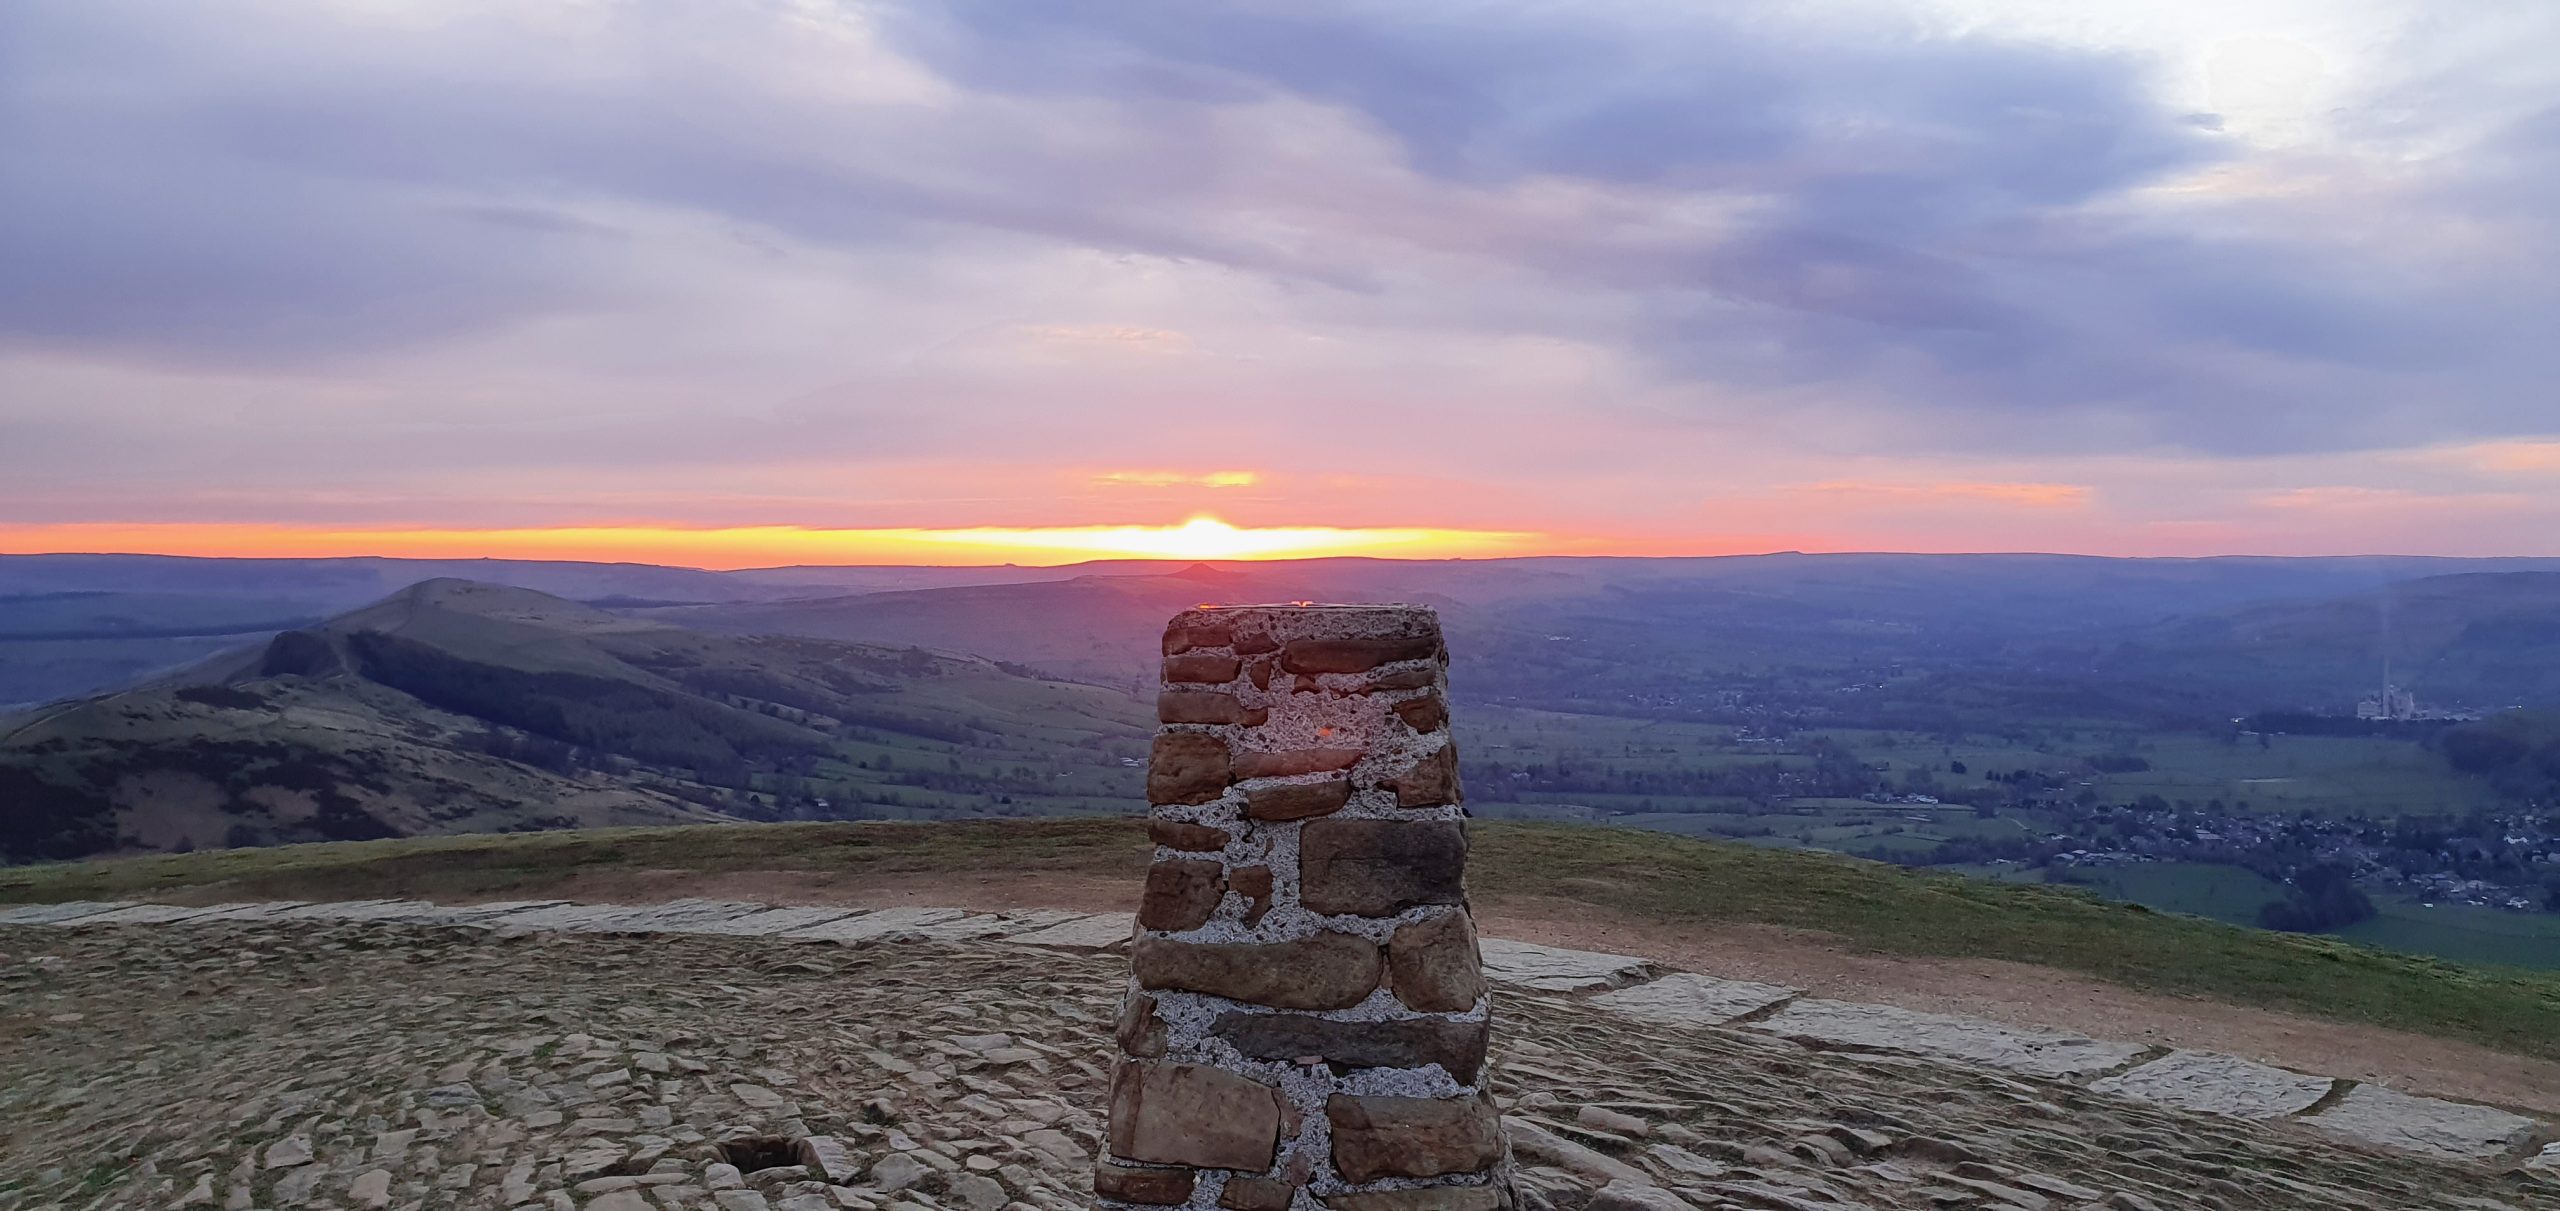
x=1624, y=986
x=405, y=1057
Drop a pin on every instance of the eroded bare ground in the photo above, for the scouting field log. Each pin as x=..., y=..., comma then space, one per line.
x=2022, y=994
x=368, y=1066
x=2015, y=993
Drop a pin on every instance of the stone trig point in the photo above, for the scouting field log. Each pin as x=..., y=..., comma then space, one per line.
x=1307, y=1019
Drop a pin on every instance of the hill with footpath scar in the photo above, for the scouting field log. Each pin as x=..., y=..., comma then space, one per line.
x=455, y=706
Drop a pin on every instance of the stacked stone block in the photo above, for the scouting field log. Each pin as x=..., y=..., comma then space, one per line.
x=1307, y=1016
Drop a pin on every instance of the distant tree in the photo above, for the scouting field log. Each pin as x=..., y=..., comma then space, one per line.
x=2480, y=750
x=2323, y=898
x=40, y=820
x=1956, y=767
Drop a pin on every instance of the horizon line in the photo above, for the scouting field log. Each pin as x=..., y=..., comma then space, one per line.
x=1195, y=561
x=1198, y=538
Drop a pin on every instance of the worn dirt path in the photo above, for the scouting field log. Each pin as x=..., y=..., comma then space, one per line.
x=1823, y=965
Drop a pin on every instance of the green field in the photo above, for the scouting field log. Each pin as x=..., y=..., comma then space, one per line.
x=2334, y=774
x=2228, y=893
x=1671, y=881
x=2382, y=777
x=2224, y=893
x=1842, y=826
x=2379, y=776
x=2462, y=932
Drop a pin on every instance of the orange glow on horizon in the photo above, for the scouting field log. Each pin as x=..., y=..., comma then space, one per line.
x=767, y=546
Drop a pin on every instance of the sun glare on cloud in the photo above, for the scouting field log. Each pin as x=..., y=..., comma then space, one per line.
x=1177, y=479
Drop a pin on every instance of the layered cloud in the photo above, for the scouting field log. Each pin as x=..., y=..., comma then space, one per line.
x=1948, y=273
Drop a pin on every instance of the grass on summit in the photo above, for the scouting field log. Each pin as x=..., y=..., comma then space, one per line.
x=1648, y=876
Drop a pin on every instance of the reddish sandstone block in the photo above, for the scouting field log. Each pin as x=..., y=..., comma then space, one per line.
x=1456, y=1045
x=1178, y=640
x=1177, y=834
x=1181, y=893
x=1193, y=1114
x=1354, y=655
x=1136, y=1184
x=1325, y=971
x=1254, y=884
x=1187, y=768
x=1377, y=868
x=1428, y=713
x=1401, y=679
x=1432, y=782
x=1255, y=643
x=1434, y=966
x=1297, y=800
x=1205, y=706
x=1250, y=764
x=1257, y=1194
x=1375, y=1137
x=1140, y=1032
x=1204, y=667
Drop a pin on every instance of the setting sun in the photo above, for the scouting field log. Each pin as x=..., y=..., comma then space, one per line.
x=1207, y=537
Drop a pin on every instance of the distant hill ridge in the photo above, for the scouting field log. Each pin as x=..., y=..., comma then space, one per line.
x=454, y=706
x=150, y=614
x=2187, y=641
x=2478, y=639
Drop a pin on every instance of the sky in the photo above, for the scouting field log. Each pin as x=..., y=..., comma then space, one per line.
x=748, y=282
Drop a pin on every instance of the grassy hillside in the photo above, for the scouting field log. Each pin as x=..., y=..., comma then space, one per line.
x=1648, y=876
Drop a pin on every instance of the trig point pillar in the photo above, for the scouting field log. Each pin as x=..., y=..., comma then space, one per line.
x=1306, y=1020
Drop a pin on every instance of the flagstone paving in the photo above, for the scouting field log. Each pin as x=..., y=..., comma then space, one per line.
x=394, y=1053
x=2221, y=1084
